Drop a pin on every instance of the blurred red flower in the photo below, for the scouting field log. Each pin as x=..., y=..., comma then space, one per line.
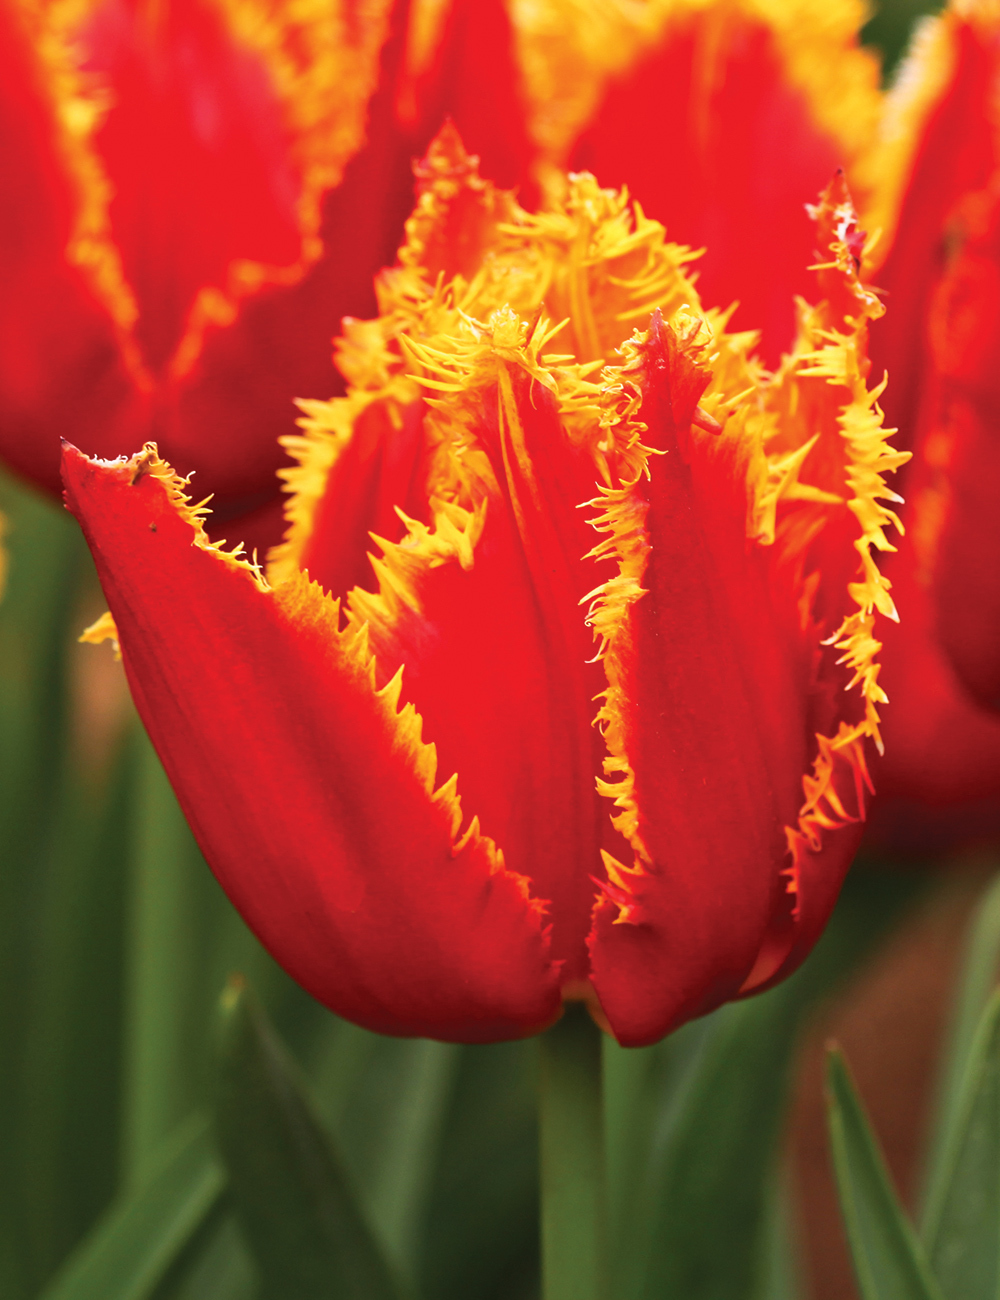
x=195, y=193
x=938, y=170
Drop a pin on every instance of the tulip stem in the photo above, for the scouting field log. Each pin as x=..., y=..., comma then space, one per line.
x=571, y=1124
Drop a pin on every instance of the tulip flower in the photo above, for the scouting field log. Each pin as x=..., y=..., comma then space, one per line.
x=593, y=724
x=936, y=202
x=723, y=120
x=195, y=193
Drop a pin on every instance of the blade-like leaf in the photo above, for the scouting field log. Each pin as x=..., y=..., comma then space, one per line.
x=694, y=1212
x=299, y=1215
x=385, y=1100
x=779, y=1272
x=889, y=1261
x=479, y=1236
x=980, y=964
x=46, y=558
x=962, y=1225
x=133, y=1246
x=70, y=1058
x=215, y=1266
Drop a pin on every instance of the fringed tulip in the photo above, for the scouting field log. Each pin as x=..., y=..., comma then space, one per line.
x=591, y=722
x=195, y=193
x=937, y=202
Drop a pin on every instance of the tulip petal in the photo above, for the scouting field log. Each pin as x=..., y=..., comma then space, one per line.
x=958, y=449
x=224, y=129
x=278, y=347
x=942, y=750
x=57, y=340
x=967, y=592
x=591, y=263
x=746, y=554
x=830, y=528
x=312, y=796
x=938, y=144
x=462, y=66
x=703, y=717
x=723, y=120
x=364, y=456
x=482, y=609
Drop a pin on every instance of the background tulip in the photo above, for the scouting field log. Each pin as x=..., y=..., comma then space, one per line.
x=935, y=168
x=195, y=197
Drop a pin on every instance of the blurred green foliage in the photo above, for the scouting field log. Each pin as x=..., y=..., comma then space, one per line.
x=956, y=1253
x=890, y=26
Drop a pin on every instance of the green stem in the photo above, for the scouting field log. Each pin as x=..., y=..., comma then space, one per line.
x=571, y=1125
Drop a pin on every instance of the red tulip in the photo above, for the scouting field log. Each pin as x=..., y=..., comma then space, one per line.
x=404, y=790
x=724, y=121
x=195, y=193
x=940, y=343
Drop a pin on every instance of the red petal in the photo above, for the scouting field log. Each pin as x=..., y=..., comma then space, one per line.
x=310, y=795
x=959, y=444
x=495, y=647
x=967, y=586
x=707, y=698
x=468, y=71
x=715, y=138
x=954, y=152
x=60, y=362
x=941, y=750
x=382, y=468
x=198, y=155
x=229, y=413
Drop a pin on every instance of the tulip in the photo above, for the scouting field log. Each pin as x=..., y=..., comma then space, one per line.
x=723, y=120
x=939, y=341
x=597, y=728
x=195, y=193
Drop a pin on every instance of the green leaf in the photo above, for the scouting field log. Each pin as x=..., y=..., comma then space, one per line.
x=46, y=558
x=131, y=1249
x=300, y=1217
x=696, y=1184
x=779, y=1264
x=479, y=1234
x=962, y=1224
x=216, y=1264
x=385, y=1100
x=891, y=28
x=184, y=939
x=70, y=1062
x=889, y=1261
x=978, y=978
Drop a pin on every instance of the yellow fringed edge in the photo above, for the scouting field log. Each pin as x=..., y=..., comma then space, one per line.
x=322, y=59
x=570, y=49
x=595, y=264
x=304, y=603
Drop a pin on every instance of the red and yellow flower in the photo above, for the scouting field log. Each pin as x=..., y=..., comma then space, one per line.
x=938, y=168
x=598, y=727
x=196, y=192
